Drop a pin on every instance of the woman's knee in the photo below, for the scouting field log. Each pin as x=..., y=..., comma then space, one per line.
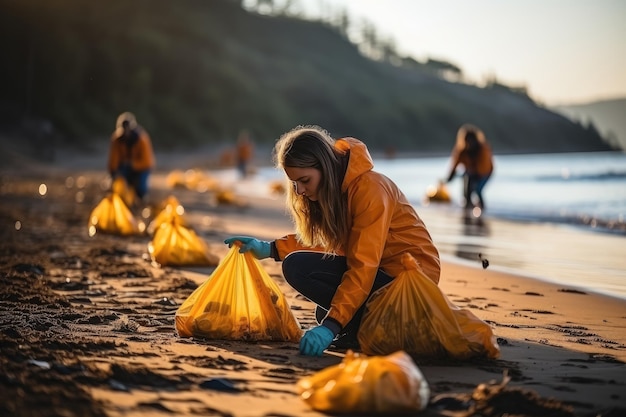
x=309, y=271
x=291, y=272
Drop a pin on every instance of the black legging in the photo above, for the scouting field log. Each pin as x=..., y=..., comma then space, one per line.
x=474, y=184
x=317, y=278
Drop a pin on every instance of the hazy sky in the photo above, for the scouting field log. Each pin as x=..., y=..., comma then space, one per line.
x=563, y=51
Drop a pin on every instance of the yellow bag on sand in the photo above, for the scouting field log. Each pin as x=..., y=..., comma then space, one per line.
x=390, y=384
x=121, y=188
x=412, y=314
x=191, y=179
x=112, y=215
x=439, y=193
x=176, y=245
x=172, y=211
x=239, y=301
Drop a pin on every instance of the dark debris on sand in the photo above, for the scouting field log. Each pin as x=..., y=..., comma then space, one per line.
x=41, y=374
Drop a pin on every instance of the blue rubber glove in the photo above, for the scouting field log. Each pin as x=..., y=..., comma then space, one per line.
x=315, y=341
x=259, y=248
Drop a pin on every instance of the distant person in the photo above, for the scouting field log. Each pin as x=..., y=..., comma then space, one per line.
x=352, y=226
x=474, y=153
x=244, y=153
x=390, y=152
x=130, y=154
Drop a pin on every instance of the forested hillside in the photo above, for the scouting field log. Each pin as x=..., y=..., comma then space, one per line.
x=196, y=71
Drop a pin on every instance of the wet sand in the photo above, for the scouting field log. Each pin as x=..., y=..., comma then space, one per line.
x=87, y=323
x=575, y=256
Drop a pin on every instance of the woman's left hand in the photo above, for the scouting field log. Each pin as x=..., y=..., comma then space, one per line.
x=260, y=249
x=315, y=341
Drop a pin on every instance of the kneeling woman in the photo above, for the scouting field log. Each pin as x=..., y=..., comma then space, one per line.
x=352, y=226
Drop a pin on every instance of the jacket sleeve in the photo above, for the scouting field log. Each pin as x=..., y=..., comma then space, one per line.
x=371, y=207
x=454, y=162
x=486, y=161
x=143, y=156
x=287, y=244
x=114, y=156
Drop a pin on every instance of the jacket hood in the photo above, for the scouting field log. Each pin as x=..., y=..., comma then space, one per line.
x=360, y=160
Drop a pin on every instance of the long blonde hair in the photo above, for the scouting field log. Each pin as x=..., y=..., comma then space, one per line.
x=469, y=130
x=323, y=222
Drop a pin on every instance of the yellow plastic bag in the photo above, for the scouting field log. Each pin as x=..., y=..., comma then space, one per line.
x=191, y=179
x=112, y=215
x=412, y=314
x=172, y=211
x=239, y=301
x=390, y=384
x=438, y=193
x=121, y=188
x=176, y=179
x=176, y=245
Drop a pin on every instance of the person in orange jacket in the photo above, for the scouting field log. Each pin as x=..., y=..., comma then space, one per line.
x=473, y=152
x=352, y=225
x=244, y=153
x=130, y=154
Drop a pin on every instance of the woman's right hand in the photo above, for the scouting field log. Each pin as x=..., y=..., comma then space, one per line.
x=259, y=248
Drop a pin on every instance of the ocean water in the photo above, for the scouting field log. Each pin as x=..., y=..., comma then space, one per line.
x=587, y=189
x=575, y=202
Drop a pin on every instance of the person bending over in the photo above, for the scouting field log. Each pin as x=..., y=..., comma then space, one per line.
x=130, y=154
x=473, y=152
x=352, y=225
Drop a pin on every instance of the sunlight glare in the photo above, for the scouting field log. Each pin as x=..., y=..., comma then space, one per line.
x=81, y=182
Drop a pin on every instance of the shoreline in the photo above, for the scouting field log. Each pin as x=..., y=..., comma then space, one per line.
x=554, y=253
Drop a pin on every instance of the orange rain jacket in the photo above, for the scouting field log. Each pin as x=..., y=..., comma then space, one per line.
x=140, y=156
x=383, y=226
x=482, y=165
x=244, y=151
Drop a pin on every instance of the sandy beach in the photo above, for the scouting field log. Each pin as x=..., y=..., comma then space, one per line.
x=87, y=323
